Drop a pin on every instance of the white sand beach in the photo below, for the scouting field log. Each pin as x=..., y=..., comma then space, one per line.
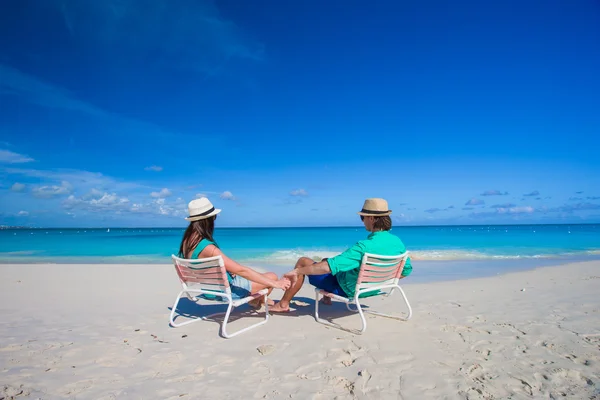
x=102, y=332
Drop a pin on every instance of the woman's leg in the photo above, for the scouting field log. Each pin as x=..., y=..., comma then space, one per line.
x=257, y=287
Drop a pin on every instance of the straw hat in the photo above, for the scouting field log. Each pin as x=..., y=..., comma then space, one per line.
x=375, y=208
x=200, y=209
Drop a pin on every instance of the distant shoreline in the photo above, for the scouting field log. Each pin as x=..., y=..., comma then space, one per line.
x=296, y=227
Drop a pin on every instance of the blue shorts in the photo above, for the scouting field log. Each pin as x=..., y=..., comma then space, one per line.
x=240, y=287
x=327, y=282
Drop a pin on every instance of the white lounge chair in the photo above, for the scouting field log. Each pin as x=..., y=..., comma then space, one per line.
x=208, y=276
x=376, y=273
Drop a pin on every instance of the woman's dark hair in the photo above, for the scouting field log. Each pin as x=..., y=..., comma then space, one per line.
x=382, y=223
x=195, y=232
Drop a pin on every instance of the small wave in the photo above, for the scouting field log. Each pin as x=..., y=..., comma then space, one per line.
x=457, y=255
x=18, y=253
x=31, y=258
x=292, y=255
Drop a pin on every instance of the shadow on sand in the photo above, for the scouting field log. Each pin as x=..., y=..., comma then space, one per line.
x=299, y=307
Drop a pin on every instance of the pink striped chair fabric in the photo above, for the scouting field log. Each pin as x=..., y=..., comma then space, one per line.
x=376, y=273
x=208, y=277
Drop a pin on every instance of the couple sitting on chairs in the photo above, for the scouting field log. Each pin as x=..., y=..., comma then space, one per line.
x=336, y=275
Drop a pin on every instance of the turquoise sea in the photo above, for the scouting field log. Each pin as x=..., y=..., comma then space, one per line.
x=438, y=252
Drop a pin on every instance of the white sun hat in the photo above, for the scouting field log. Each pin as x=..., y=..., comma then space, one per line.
x=200, y=209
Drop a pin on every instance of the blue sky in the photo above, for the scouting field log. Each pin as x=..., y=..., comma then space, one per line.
x=117, y=113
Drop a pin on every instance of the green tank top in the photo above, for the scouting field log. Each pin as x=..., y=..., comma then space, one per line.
x=201, y=246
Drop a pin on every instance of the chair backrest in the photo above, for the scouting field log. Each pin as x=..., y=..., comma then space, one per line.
x=379, y=270
x=206, y=273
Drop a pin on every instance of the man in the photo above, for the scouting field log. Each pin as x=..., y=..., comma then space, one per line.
x=338, y=275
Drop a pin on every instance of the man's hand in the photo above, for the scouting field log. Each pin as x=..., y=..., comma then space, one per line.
x=292, y=276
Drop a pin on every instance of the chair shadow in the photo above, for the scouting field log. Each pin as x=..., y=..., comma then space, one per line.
x=205, y=308
x=330, y=313
x=301, y=306
x=337, y=309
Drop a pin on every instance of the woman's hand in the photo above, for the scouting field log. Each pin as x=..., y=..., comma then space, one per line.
x=292, y=276
x=283, y=284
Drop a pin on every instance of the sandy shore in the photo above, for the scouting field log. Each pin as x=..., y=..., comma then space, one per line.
x=101, y=332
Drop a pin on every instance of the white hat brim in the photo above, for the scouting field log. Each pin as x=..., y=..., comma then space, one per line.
x=198, y=218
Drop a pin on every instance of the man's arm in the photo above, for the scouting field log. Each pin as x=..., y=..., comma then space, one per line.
x=320, y=268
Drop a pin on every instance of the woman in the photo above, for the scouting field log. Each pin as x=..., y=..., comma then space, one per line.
x=198, y=242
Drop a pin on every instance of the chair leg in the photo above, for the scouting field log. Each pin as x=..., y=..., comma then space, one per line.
x=317, y=318
x=317, y=305
x=229, y=308
x=407, y=304
x=394, y=316
x=362, y=317
x=334, y=325
x=172, y=316
x=192, y=319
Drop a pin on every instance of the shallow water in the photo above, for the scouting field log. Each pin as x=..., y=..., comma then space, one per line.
x=438, y=252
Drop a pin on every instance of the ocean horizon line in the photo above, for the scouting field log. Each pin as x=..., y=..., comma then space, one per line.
x=303, y=227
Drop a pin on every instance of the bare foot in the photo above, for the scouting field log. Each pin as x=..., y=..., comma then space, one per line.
x=278, y=308
x=258, y=303
x=326, y=301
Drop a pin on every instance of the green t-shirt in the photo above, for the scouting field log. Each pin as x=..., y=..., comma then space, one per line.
x=201, y=246
x=345, y=266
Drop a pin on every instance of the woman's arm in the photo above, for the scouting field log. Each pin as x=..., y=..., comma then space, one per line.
x=243, y=271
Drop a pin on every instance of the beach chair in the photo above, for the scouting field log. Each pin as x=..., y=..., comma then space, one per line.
x=377, y=273
x=208, y=277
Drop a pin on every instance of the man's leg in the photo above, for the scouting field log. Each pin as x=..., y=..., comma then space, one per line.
x=284, y=303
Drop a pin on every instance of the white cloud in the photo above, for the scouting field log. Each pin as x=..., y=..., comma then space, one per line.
x=161, y=207
x=299, y=192
x=200, y=195
x=48, y=191
x=534, y=193
x=93, y=194
x=83, y=180
x=494, y=193
x=474, y=202
x=516, y=210
x=434, y=210
x=154, y=168
x=506, y=205
x=23, y=213
x=570, y=208
x=106, y=202
x=227, y=195
x=100, y=193
x=17, y=187
x=162, y=194
x=10, y=157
